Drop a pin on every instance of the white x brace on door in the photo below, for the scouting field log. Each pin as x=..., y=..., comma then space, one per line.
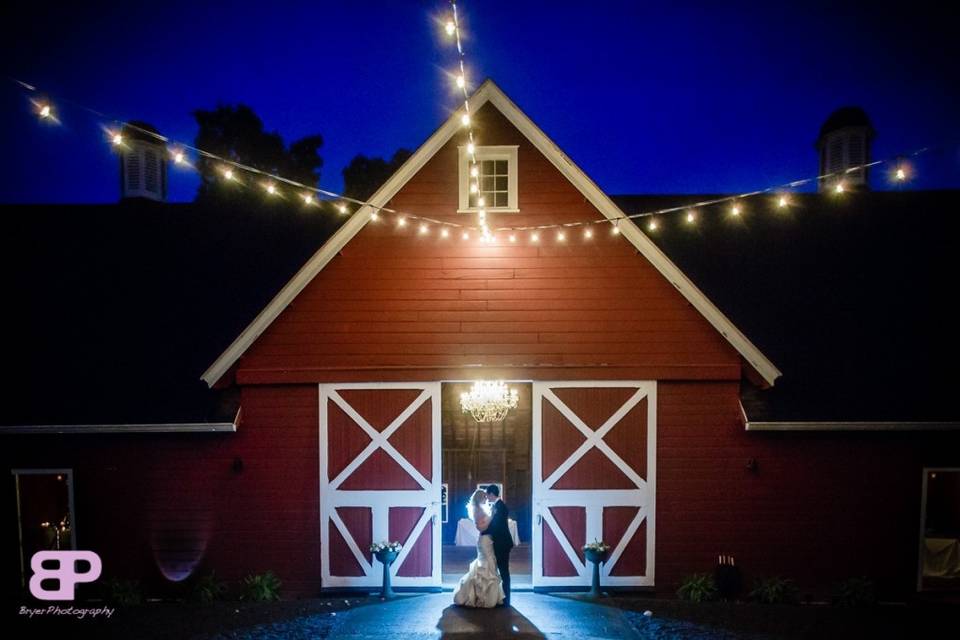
x=594, y=477
x=380, y=481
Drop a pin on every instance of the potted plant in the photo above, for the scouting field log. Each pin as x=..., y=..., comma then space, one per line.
x=386, y=553
x=596, y=552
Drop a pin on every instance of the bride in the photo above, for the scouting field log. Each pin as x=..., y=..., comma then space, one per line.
x=481, y=586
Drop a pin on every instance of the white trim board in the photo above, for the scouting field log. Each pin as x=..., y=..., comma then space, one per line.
x=174, y=427
x=490, y=92
x=852, y=426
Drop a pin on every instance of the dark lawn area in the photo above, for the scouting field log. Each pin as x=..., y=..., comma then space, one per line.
x=670, y=619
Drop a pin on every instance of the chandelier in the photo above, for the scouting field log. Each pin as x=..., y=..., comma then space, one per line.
x=488, y=400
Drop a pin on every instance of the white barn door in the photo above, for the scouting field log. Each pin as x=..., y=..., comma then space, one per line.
x=594, y=477
x=379, y=481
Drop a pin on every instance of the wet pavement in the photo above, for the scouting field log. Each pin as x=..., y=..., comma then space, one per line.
x=531, y=616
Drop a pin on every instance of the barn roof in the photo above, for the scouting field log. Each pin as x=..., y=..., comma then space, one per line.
x=114, y=310
x=490, y=93
x=850, y=295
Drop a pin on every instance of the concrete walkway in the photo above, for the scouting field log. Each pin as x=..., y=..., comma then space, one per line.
x=532, y=615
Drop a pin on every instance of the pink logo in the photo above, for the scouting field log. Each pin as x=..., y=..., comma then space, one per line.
x=65, y=573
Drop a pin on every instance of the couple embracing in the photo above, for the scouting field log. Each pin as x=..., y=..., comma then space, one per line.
x=487, y=583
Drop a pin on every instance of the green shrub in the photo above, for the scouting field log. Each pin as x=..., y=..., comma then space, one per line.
x=123, y=592
x=775, y=591
x=208, y=588
x=855, y=592
x=261, y=587
x=697, y=588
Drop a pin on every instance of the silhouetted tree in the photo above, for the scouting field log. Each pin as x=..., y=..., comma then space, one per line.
x=236, y=132
x=363, y=176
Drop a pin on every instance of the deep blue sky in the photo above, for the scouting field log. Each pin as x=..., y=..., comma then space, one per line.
x=647, y=98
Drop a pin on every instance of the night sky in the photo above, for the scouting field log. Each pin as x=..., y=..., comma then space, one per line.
x=646, y=99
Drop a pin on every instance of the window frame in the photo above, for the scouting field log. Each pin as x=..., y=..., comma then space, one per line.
x=38, y=471
x=493, y=152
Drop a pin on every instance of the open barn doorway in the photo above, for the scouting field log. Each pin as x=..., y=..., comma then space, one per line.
x=485, y=453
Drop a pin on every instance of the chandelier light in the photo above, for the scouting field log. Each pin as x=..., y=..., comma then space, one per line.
x=489, y=401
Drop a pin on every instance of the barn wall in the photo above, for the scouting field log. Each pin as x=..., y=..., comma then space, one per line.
x=153, y=505
x=821, y=507
x=397, y=305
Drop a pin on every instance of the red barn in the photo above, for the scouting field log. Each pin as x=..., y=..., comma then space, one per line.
x=646, y=417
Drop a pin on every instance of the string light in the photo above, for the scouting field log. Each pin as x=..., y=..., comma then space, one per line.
x=272, y=190
x=401, y=222
x=616, y=229
x=461, y=83
x=374, y=216
x=481, y=202
x=342, y=208
x=465, y=236
x=228, y=174
x=534, y=237
x=513, y=237
x=307, y=198
x=449, y=27
x=588, y=234
x=45, y=111
x=901, y=174
x=839, y=187
x=471, y=148
x=423, y=229
x=691, y=217
x=444, y=233
x=116, y=139
x=652, y=226
x=465, y=120
x=782, y=201
x=474, y=172
x=178, y=157
x=735, y=210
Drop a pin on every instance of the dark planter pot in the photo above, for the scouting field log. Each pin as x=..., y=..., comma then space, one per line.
x=597, y=558
x=386, y=558
x=728, y=580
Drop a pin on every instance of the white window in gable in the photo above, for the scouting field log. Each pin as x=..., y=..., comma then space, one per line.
x=496, y=180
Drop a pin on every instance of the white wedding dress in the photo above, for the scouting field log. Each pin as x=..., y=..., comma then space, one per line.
x=481, y=587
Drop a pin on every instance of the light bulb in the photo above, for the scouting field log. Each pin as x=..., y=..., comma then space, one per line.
x=45, y=111
x=272, y=190
x=782, y=202
x=735, y=210
x=471, y=148
x=616, y=230
x=444, y=233
x=561, y=236
x=117, y=139
x=460, y=81
x=423, y=229
x=839, y=187
x=534, y=237
x=228, y=174
x=588, y=234
x=901, y=174
x=474, y=172
x=513, y=237
x=473, y=187
x=465, y=236
x=450, y=28
x=342, y=208
x=465, y=120
x=402, y=222
x=691, y=217
x=652, y=226
x=374, y=216
x=307, y=198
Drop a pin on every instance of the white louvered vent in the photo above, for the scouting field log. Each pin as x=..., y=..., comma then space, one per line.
x=151, y=171
x=133, y=170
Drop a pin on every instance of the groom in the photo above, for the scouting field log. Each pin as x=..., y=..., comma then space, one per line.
x=502, y=540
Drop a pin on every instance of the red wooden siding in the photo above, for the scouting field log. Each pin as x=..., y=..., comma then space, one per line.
x=395, y=305
x=155, y=506
x=821, y=507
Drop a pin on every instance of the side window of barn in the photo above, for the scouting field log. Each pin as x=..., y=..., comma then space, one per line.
x=495, y=182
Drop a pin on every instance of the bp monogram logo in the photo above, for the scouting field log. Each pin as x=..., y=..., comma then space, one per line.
x=65, y=573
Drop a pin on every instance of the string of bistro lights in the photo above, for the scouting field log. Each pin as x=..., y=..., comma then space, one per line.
x=230, y=171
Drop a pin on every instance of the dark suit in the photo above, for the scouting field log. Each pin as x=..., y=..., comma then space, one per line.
x=502, y=543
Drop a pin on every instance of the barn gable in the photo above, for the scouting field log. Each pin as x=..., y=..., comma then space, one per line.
x=426, y=306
